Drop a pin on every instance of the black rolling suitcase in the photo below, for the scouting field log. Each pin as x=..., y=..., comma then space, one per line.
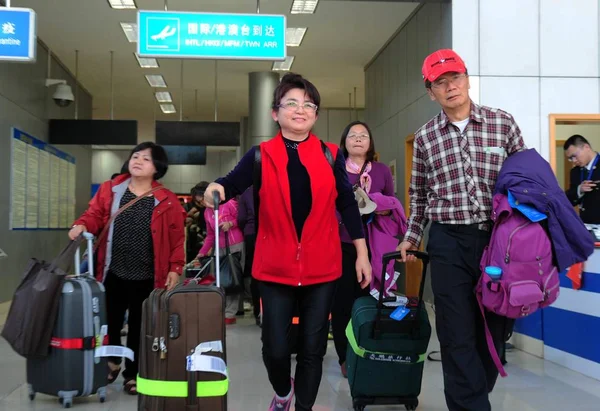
x=71, y=369
x=385, y=357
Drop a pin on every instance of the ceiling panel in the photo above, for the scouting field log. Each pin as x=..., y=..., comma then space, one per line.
x=342, y=37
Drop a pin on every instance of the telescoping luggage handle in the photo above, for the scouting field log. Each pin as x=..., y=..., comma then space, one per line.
x=394, y=255
x=90, y=255
x=216, y=203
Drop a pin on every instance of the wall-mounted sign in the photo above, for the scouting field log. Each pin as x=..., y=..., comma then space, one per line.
x=211, y=35
x=18, y=40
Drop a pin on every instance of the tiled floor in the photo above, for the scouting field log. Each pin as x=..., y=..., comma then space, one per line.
x=533, y=384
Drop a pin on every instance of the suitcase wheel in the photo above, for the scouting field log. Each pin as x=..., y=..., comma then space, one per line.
x=66, y=402
x=102, y=394
x=357, y=405
x=412, y=406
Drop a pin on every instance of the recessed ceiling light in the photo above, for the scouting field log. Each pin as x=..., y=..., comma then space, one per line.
x=304, y=6
x=122, y=4
x=294, y=36
x=131, y=31
x=285, y=65
x=168, y=108
x=156, y=80
x=146, y=62
x=163, y=97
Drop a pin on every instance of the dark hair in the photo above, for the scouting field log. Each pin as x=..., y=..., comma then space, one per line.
x=291, y=81
x=115, y=175
x=428, y=83
x=159, y=158
x=370, y=151
x=199, y=189
x=576, y=140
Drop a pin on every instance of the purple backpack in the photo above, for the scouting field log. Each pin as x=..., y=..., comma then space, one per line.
x=529, y=281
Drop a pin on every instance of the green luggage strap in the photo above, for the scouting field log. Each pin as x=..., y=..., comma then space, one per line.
x=380, y=356
x=172, y=389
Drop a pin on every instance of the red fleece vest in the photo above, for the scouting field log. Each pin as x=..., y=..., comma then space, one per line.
x=281, y=257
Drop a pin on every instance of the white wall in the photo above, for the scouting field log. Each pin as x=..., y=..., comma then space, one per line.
x=397, y=103
x=179, y=178
x=531, y=58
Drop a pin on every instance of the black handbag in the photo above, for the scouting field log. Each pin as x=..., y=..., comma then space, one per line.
x=231, y=270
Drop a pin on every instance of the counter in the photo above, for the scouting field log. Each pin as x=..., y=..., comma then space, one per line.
x=567, y=332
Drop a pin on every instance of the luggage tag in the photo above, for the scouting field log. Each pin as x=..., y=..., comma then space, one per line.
x=206, y=363
x=214, y=346
x=399, y=313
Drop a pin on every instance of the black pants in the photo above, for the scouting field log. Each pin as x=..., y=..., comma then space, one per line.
x=314, y=303
x=123, y=295
x=469, y=372
x=347, y=291
x=250, y=243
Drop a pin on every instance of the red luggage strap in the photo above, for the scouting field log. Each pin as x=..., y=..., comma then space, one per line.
x=86, y=343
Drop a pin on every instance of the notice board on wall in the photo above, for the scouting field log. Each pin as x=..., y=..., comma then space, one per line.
x=42, y=188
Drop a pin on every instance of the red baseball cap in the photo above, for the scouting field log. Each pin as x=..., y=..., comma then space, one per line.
x=441, y=62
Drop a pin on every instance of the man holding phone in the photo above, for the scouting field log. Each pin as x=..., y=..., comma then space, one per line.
x=584, y=189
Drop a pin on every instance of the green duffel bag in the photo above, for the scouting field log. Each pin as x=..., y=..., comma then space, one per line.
x=385, y=357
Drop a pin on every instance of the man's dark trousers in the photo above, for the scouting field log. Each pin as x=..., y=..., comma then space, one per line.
x=469, y=372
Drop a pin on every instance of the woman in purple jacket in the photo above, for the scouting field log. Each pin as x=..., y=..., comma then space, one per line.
x=363, y=171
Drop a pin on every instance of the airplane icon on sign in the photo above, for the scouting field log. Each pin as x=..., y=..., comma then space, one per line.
x=166, y=32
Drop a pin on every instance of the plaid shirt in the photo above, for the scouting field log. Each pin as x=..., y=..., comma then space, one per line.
x=454, y=173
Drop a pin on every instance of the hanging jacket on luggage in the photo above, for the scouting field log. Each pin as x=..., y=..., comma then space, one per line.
x=384, y=232
x=531, y=180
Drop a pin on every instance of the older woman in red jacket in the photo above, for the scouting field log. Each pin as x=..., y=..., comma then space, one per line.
x=144, y=248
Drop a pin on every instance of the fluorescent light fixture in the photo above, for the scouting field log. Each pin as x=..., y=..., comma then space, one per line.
x=304, y=6
x=122, y=4
x=146, y=62
x=131, y=31
x=294, y=36
x=156, y=80
x=168, y=108
x=284, y=65
x=163, y=97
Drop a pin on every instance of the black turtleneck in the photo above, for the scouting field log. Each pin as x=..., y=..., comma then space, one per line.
x=240, y=178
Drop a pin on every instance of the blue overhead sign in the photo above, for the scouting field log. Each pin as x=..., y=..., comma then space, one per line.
x=17, y=34
x=211, y=35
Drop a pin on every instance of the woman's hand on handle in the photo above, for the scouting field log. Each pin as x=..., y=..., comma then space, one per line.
x=76, y=231
x=172, y=280
x=208, y=194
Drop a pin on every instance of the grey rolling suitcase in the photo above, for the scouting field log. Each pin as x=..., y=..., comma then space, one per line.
x=71, y=368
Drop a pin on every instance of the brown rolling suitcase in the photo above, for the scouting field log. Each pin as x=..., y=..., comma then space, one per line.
x=183, y=330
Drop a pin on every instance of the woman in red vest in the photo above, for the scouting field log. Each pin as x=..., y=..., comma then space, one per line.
x=298, y=251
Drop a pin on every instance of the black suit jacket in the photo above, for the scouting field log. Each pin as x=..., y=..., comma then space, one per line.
x=590, y=202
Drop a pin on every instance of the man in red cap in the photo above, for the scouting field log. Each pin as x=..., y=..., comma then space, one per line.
x=456, y=160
